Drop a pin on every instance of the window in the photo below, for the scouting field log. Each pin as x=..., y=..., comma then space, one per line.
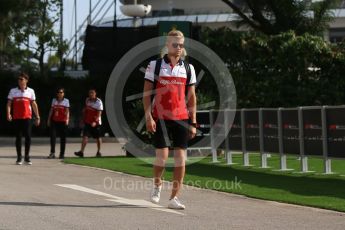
x=336, y=35
x=130, y=2
x=173, y=12
x=160, y=13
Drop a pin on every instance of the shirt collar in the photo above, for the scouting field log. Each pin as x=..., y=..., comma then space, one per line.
x=167, y=60
x=24, y=89
x=92, y=100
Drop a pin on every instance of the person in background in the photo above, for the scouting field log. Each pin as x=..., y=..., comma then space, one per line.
x=21, y=101
x=92, y=113
x=58, y=120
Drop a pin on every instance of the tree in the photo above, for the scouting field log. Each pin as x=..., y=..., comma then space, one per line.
x=11, y=13
x=41, y=20
x=276, y=16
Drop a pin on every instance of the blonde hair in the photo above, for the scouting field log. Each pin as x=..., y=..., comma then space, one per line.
x=174, y=34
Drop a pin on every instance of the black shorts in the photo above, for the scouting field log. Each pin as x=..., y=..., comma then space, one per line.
x=90, y=131
x=171, y=133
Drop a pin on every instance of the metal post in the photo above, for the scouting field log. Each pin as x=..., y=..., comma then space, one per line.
x=283, y=165
x=304, y=159
x=89, y=19
x=261, y=140
x=212, y=137
x=61, y=35
x=327, y=161
x=228, y=152
x=75, y=35
x=115, y=13
x=244, y=144
x=280, y=136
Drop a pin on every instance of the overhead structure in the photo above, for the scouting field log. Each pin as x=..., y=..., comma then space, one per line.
x=136, y=10
x=97, y=12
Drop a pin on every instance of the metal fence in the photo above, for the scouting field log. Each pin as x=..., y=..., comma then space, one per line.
x=317, y=131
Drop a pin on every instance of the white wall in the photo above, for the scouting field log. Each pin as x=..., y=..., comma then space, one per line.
x=338, y=23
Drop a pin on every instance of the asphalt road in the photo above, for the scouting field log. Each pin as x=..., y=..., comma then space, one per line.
x=53, y=195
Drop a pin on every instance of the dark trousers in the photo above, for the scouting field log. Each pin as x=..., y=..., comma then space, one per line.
x=59, y=128
x=22, y=127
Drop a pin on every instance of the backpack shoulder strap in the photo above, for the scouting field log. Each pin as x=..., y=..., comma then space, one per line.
x=157, y=70
x=188, y=71
x=189, y=75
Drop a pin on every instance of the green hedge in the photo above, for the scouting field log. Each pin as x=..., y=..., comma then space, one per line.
x=272, y=71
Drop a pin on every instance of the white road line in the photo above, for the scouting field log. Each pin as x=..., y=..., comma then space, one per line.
x=121, y=200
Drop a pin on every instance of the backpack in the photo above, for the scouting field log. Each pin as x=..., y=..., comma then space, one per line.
x=158, y=68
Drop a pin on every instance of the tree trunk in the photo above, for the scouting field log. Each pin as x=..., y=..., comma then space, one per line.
x=41, y=40
x=41, y=61
x=2, y=48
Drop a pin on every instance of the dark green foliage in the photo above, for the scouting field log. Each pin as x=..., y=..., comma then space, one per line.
x=281, y=70
x=277, y=16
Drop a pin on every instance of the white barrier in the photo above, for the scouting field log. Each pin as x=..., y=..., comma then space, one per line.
x=305, y=137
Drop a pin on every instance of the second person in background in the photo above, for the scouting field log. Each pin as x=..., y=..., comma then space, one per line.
x=58, y=120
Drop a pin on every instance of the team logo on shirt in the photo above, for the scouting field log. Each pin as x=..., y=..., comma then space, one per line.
x=170, y=82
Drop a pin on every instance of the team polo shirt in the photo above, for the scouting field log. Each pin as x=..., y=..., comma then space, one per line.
x=92, y=107
x=59, y=110
x=21, y=102
x=169, y=101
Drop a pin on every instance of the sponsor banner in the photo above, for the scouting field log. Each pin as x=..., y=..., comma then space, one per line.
x=290, y=131
x=235, y=134
x=336, y=132
x=312, y=129
x=270, y=131
x=252, y=130
x=219, y=127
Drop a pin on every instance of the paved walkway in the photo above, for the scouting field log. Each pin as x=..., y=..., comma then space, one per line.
x=52, y=195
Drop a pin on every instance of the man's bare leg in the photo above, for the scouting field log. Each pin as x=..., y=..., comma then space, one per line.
x=99, y=143
x=159, y=165
x=84, y=143
x=179, y=171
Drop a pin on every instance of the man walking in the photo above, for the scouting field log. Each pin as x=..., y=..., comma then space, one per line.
x=21, y=101
x=92, y=113
x=170, y=115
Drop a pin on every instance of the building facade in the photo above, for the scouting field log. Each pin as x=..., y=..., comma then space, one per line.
x=208, y=13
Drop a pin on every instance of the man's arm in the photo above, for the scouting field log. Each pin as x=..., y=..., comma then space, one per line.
x=35, y=109
x=191, y=103
x=97, y=118
x=67, y=116
x=8, y=110
x=150, y=123
x=99, y=114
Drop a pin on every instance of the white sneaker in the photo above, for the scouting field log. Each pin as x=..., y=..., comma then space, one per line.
x=156, y=194
x=175, y=203
x=19, y=162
